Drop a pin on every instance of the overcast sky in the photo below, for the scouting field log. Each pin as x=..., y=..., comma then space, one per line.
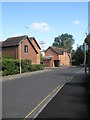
x=45, y=21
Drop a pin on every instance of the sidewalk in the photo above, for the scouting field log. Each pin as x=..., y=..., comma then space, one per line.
x=16, y=76
x=70, y=102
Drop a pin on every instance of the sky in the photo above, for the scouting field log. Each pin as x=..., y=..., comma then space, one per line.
x=45, y=21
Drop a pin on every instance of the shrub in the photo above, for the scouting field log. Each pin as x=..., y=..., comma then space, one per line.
x=35, y=67
x=9, y=66
x=12, y=66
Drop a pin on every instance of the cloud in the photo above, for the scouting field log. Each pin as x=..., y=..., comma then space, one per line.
x=39, y=26
x=76, y=22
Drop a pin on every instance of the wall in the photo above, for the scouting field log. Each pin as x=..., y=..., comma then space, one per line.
x=64, y=59
x=54, y=54
x=38, y=50
x=31, y=53
x=48, y=63
x=9, y=52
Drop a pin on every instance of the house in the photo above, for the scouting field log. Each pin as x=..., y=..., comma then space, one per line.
x=37, y=47
x=22, y=47
x=55, y=56
x=1, y=49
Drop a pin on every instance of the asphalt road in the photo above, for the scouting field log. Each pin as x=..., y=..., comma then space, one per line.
x=26, y=96
x=71, y=101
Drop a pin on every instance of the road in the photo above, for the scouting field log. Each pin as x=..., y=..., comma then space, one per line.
x=26, y=96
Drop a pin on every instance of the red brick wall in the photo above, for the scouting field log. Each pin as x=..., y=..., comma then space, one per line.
x=38, y=50
x=62, y=58
x=54, y=54
x=14, y=52
x=48, y=63
x=9, y=52
x=31, y=53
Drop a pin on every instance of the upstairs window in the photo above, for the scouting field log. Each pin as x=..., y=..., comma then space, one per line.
x=25, y=49
x=50, y=54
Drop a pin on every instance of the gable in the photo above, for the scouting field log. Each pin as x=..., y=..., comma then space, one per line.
x=31, y=45
x=34, y=42
x=50, y=50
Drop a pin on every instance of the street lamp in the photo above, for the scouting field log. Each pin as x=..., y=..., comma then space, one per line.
x=20, y=58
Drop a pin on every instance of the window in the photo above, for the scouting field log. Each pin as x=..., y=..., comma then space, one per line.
x=26, y=49
x=50, y=54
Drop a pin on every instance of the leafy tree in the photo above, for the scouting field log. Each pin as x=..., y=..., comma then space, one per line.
x=77, y=57
x=41, y=57
x=87, y=40
x=64, y=41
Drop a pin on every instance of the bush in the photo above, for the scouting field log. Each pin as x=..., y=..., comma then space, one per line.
x=35, y=67
x=12, y=66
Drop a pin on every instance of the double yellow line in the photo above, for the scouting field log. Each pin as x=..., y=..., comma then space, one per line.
x=44, y=99
x=41, y=103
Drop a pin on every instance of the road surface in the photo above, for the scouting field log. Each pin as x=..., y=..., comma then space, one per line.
x=26, y=96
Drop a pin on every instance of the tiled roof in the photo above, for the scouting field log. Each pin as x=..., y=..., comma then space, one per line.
x=58, y=50
x=13, y=41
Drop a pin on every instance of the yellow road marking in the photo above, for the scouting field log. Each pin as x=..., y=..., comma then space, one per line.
x=40, y=103
x=68, y=78
x=36, y=107
x=43, y=101
x=56, y=88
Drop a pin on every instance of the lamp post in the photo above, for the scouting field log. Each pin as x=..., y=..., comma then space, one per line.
x=20, y=57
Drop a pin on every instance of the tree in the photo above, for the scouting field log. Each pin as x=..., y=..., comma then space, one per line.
x=87, y=40
x=77, y=57
x=64, y=41
x=41, y=57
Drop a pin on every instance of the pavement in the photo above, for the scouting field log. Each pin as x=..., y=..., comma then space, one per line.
x=70, y=102
x=28, y=95
x=16, y=76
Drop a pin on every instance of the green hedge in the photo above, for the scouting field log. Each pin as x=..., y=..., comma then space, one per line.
x=12, y=66
x=36, y=67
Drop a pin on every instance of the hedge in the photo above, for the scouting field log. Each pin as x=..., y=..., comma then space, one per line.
x=12, y=66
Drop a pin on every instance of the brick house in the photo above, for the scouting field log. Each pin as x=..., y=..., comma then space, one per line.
x=27, y=47
x=59, y=57
x=37, y=47
x=1, y=49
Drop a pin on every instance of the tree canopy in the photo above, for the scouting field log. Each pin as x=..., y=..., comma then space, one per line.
x=77, y=56
x=64, y=41
x=87, y=40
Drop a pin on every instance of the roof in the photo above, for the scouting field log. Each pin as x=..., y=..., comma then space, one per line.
x=15, y=41
x=47, y=57
x=57, y=50
x=33, y=38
